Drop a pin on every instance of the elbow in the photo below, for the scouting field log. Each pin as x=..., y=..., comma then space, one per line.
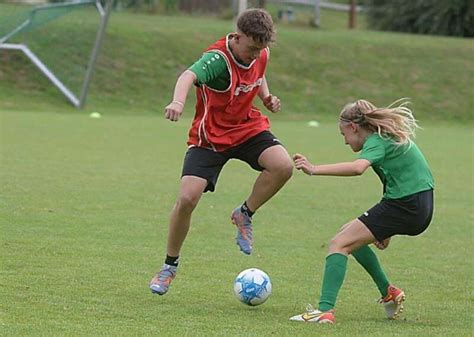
x=358, y=171
x=359, y=167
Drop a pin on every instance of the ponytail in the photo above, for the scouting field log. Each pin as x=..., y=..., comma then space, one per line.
x=395, y=121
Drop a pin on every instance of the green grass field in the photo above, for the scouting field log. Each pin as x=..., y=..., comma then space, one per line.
x=85, y=202
x=85, y=205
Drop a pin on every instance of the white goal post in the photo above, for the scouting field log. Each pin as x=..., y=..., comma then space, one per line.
x=77, y=99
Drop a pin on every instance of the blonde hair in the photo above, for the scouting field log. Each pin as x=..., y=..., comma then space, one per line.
x=395, y=121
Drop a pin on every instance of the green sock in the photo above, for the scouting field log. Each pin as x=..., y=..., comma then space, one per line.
x=334, y=272
x=367, y=259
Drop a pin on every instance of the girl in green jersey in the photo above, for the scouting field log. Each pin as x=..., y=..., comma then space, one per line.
x=383, y=138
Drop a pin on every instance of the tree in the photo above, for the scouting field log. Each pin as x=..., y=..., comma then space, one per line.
x=214, y=6
x=437, y=17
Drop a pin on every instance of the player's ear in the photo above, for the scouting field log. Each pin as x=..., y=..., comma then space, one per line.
x=354, y=127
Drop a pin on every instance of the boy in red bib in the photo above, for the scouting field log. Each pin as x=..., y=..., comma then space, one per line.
x=226, y=125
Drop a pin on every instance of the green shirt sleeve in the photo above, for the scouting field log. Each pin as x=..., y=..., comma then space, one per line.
x=373, y=150
x=211, y=69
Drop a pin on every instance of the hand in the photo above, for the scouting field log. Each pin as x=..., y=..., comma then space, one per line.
x=272, y=103
x=173, y=111
x=301, y=163
x=382, y=244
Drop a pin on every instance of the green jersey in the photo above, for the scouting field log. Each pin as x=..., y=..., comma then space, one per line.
x=211, y=70
x=402, y=169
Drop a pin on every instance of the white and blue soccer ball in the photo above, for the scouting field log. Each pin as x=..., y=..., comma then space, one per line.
x=252, y=286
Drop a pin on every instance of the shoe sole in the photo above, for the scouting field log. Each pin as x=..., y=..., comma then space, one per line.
x=322, y=321
x=156, y=292
x=243, y=251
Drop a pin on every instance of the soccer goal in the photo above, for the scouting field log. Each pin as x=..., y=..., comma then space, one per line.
x=61, y=39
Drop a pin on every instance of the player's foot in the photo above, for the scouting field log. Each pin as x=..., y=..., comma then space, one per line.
x=312, y=315
x=161, y=282
x=244, y=230
x=393, y=302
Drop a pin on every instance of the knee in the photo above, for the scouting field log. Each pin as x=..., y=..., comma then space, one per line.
x=288, y=169
x=336, y=245
x=187, y=203
x=284, y=170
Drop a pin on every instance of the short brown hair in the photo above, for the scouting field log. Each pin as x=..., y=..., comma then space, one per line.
x=257, y=24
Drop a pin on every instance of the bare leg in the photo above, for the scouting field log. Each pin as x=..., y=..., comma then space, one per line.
x=190, y=193
x=278, y=169
x=350, y=237
x=354, y=238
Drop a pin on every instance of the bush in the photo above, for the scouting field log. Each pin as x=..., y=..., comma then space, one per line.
x=437, y=17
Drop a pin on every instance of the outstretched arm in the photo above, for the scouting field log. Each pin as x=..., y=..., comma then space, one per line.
x=354, y=168
x=271, y=102
x=174, y=110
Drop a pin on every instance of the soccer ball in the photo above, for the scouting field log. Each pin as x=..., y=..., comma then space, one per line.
x=252, y=286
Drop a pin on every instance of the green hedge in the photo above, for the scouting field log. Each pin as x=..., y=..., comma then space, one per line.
x=436, y=17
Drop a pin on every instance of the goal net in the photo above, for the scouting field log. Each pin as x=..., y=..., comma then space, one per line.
x=62, y=39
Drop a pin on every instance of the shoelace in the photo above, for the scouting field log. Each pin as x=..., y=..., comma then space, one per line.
x=245, y=228
x=165, y=275
x=246, y=221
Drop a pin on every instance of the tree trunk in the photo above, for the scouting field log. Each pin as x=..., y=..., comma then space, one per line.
x=352, y=14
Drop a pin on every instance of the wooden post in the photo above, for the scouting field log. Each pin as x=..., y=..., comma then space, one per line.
x=352, y=14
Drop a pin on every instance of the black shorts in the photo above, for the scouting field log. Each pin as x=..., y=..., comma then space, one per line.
x=409, y=215
x=207, y=164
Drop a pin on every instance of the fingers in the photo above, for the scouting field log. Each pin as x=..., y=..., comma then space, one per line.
x=272, y=103
x=276, y=104
x=382, y=244
x=297, y=156
x=305, y=167
x=300, y=161
x=379, y=245
x=173, y=111
x=303, y=164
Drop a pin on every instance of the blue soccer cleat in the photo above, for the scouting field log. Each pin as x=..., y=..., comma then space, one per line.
x=162, y=280
x=244, y=230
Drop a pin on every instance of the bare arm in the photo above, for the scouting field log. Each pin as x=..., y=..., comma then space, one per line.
x=174, y=110
x=264, y=91
x=271, y=102
x=354, y=168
